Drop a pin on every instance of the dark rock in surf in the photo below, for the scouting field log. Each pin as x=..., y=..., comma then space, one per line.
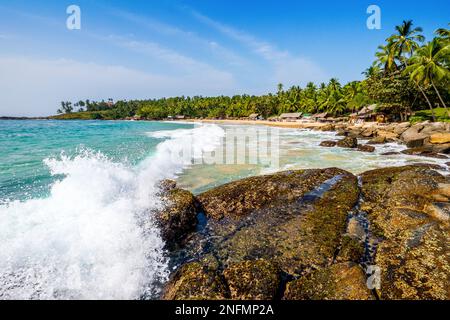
x=424, y=152
x=179, y=216
x=348, y=142
x=328, y=144
x=366, y=148
x=378, y=140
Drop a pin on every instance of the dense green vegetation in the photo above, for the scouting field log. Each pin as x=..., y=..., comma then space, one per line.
x=407, y=75
x=422, y=115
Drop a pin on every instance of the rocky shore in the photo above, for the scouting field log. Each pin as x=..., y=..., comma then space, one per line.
x=424, y=139
x=312, y=234
x=428, y=139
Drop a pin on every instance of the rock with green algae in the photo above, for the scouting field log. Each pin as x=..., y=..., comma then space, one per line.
x=352, y=249
x=348, y=142
x=195, y=281
x=240, y=198
x=299, y=227
x=342, y=281
x=253, y=280
x=414, y=255
x=179, y=216
x=298, y=223
x=290, y=222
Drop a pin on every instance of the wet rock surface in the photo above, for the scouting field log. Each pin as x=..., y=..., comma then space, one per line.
x=366, y=148
x=414, y=255
x=179, y=216
x=435, y=137
x=424, y=152
x=343, y=281
x=289, y=223
x=328, y=144
x=195, y=281
x=253, y=280
x=311, y=234
x=348, y=142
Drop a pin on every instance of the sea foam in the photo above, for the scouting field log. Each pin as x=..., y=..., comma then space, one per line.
x=94, y=236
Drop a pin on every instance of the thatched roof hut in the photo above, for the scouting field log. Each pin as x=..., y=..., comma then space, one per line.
x=367, y=112
x=320, y=116
x=254, y=116
x=291, y=116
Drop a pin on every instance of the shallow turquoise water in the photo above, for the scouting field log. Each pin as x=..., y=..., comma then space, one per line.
x=25, y=144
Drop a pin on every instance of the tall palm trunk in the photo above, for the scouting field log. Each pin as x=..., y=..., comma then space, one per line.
x=440, y=98
x=428, y=101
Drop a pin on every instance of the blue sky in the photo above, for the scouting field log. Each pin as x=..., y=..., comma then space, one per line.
x=150, y=49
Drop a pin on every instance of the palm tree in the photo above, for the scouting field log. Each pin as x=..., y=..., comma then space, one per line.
x=443, y=33
x=428, y=65
x=330, y=97
x=405, y=40
x=372, y=71
x=386, y=59
x=334, y=84
x=351, y=90
x=280, y=88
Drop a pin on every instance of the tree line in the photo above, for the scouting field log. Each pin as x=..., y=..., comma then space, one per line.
x=408, y=74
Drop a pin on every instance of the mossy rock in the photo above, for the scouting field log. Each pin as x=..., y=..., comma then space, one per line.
x=253, y=280
x=195, y=281
x=240, y=198
x=414, y=256
x=351, y=249
x=348, y=142
x=179, y=216
x=343, y=281
x=297, y=229
x=416, y=265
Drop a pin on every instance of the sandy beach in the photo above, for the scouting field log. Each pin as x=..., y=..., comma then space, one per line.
x=295, y=125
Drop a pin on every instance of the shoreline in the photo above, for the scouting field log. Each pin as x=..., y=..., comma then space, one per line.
x=292, y=125
x=426, y=139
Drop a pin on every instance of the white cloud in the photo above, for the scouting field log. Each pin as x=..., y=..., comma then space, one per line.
x=35, y=87
x=173, y=58
x=287, y=68
x=264, y=49
x=228, y=56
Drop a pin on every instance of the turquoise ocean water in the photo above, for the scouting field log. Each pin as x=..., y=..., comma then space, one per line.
x=25, y=144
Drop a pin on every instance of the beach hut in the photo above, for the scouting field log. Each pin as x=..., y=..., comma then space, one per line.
x=367, y=113
x=320, y=116
x=255, y=116
x=291, y=116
